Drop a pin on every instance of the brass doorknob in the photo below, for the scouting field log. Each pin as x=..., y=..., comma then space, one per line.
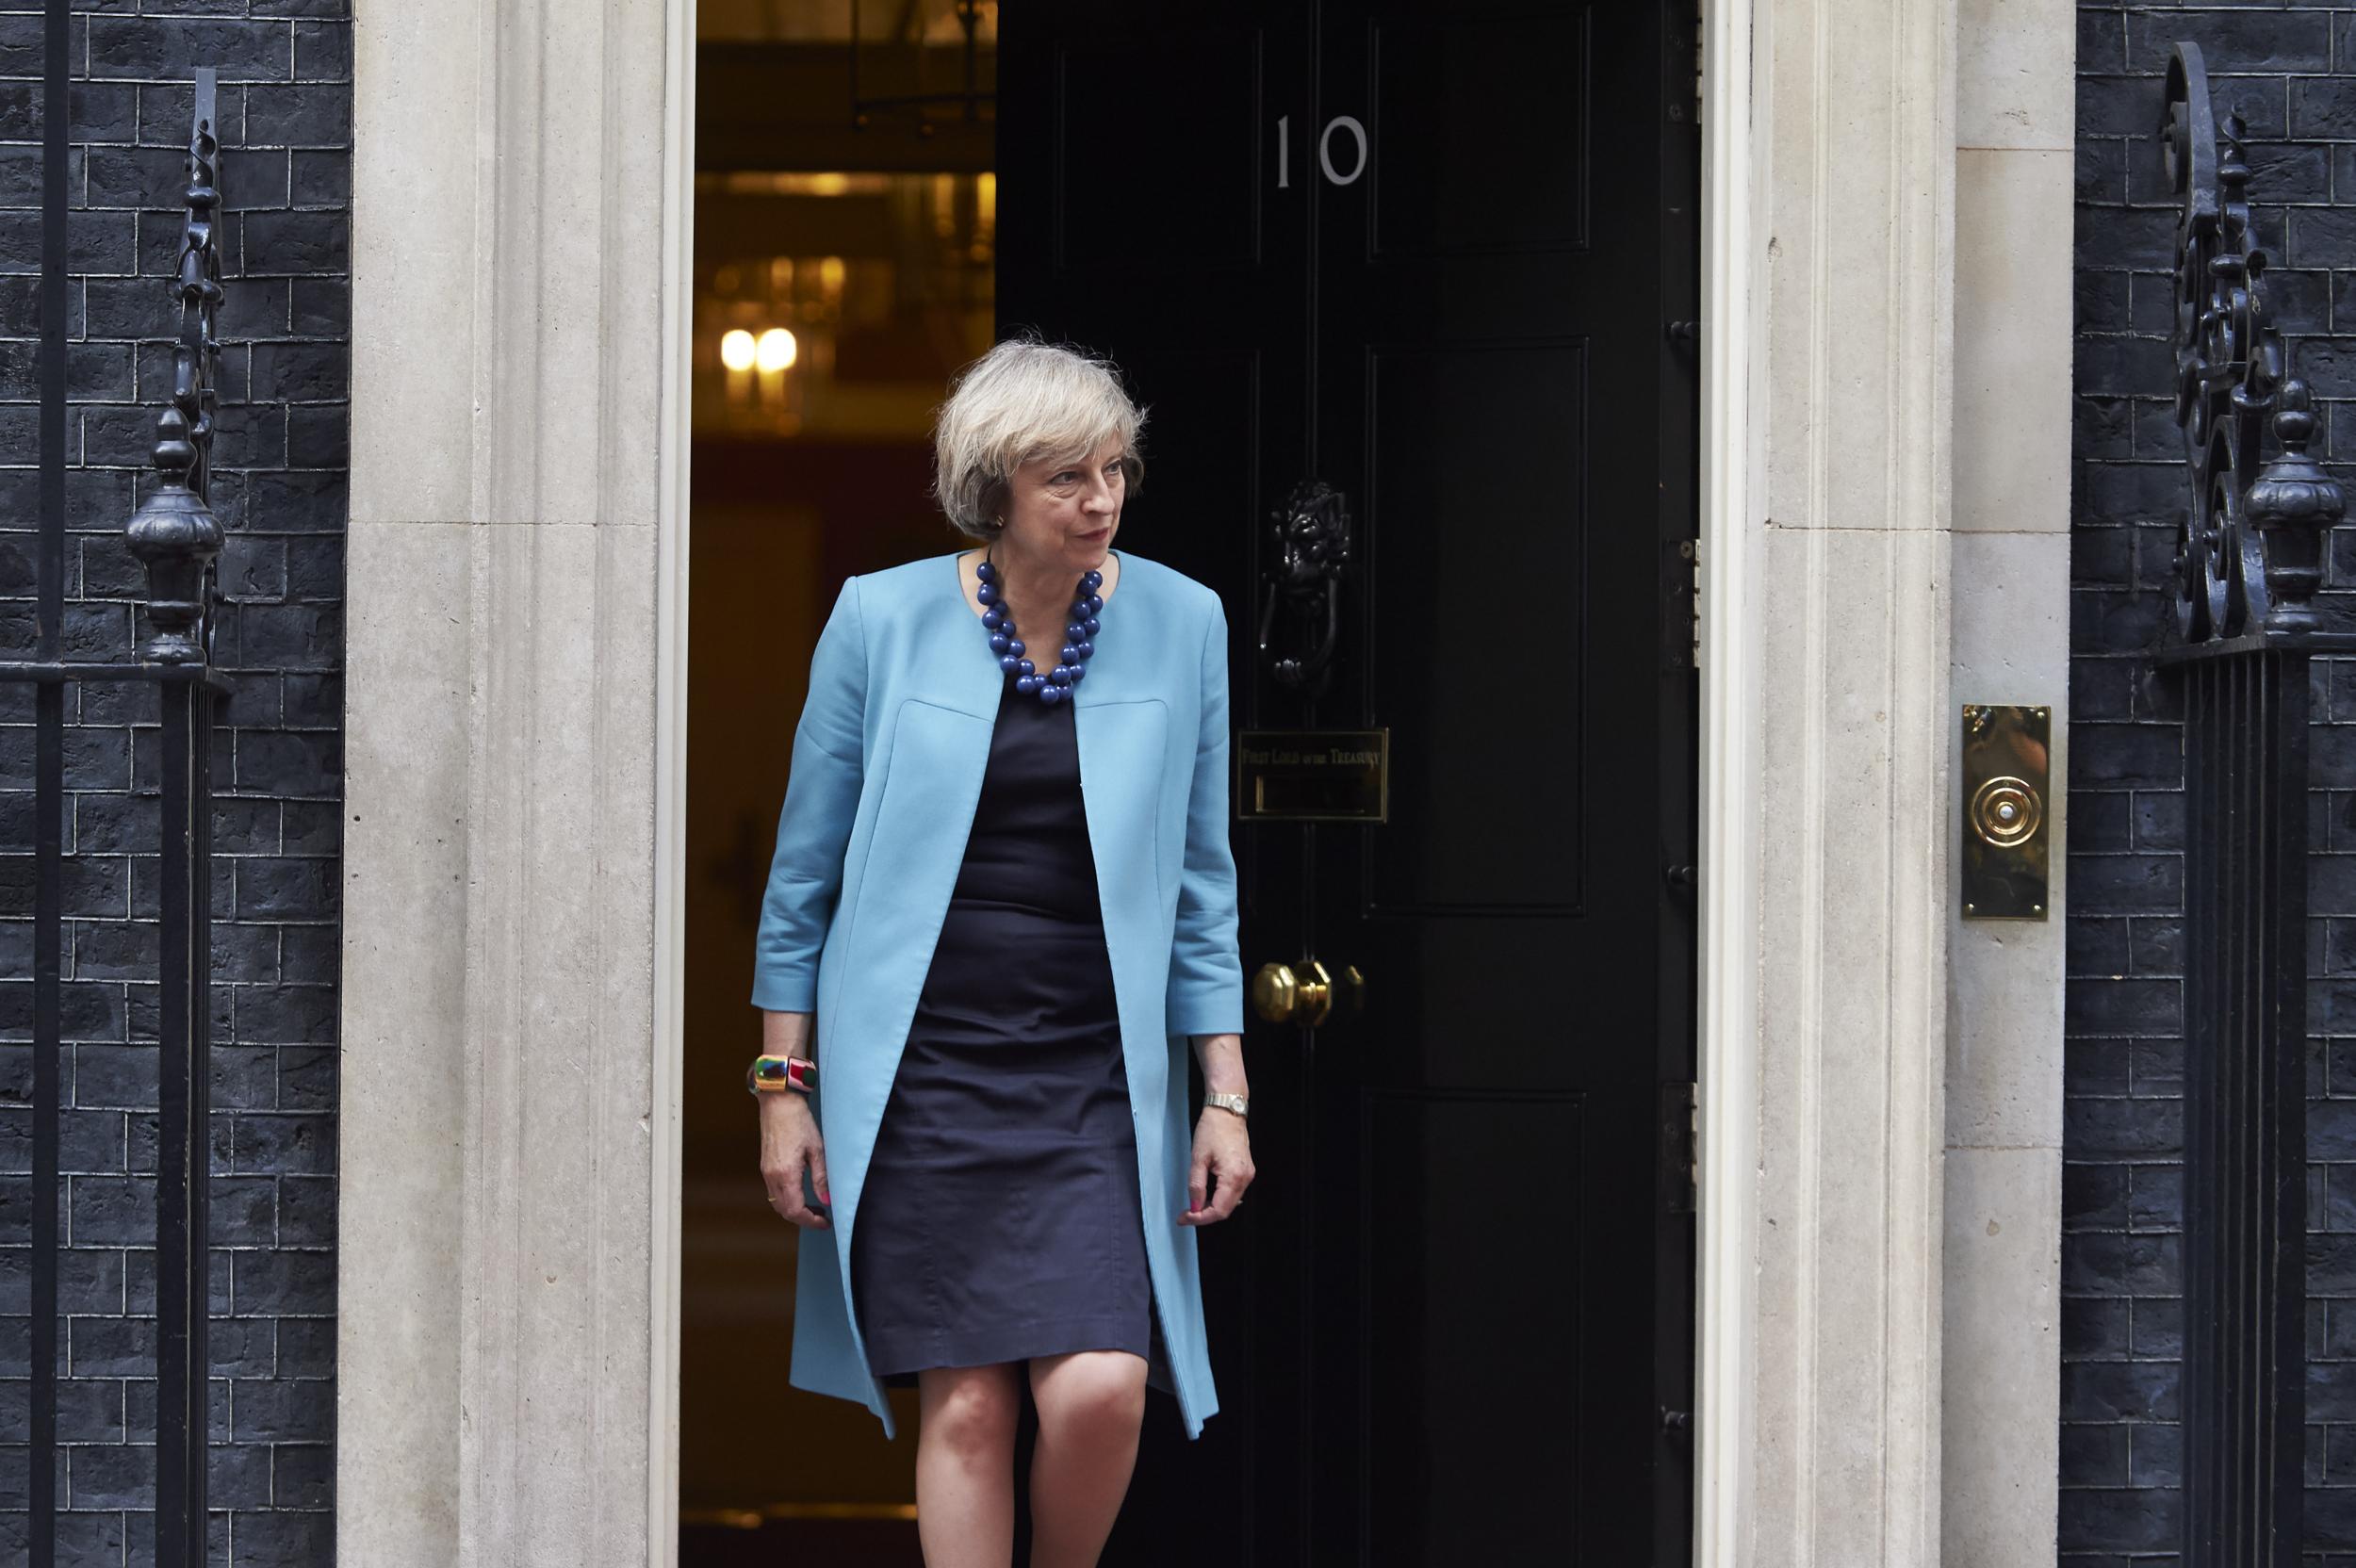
x=1283, y=994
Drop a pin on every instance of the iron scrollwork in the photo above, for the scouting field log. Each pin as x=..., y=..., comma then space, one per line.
x=2250, y=550
x=175, y=531
x=1312, y=546
x=2240, y=642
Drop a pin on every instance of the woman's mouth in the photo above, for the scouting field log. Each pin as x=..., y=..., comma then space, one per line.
x=1093, y=538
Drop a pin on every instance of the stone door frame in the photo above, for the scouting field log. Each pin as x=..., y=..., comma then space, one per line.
x=508, y=1374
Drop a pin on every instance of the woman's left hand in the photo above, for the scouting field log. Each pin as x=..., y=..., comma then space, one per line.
x=1222, y=1146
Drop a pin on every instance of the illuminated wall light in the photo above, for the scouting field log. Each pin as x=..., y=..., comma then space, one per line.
x=737, y=349
x=830, y=272
x=778, y=350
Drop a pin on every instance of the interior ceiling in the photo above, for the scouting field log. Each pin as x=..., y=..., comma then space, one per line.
x=830, y=20
x=769, y=104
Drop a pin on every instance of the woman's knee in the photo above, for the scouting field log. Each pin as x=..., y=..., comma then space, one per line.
x=1097, y=1391
x=973, y=1409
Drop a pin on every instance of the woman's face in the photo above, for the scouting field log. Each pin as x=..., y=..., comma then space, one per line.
x=1067, y=511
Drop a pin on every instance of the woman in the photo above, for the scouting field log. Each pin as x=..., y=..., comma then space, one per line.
x=1002, y=903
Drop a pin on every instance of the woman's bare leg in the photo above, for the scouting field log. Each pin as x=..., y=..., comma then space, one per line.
x=965, y=1463
x=1091, y=1405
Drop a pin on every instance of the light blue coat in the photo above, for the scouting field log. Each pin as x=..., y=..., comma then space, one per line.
x=887, y=763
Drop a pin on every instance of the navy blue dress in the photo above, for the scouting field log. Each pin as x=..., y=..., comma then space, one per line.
x=1001, y=1217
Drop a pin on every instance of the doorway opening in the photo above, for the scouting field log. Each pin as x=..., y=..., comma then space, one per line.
x=1426, y=274
x=842, y=273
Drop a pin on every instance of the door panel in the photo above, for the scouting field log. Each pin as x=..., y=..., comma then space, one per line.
x=1439, y=79
x=1449, y=1481
x=1427, y=253
x=1472, y=620
x=1111, y=208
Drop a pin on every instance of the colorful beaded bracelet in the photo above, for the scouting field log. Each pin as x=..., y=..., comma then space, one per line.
x=769, y=1074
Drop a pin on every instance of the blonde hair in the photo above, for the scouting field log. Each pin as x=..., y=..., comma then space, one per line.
x=1026, y=400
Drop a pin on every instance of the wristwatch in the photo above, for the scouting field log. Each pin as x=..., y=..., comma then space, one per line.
x=1234, y=1103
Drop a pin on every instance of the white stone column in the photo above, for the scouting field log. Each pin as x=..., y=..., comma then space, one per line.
x=504, y=1120
x=1841, y=743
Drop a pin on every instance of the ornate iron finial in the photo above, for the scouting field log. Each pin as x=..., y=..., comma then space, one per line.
x=2294, y=505
x=175, y=531
x=2250, y=550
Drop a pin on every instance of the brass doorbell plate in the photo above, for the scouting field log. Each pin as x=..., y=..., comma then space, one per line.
x=2007, y=752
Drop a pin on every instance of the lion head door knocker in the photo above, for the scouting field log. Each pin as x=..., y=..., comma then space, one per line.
x=1304, y=582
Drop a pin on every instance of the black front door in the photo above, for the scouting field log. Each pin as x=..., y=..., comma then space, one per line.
x=1440, y=258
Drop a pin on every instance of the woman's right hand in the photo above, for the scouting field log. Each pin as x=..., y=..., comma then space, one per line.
x=790, y=1144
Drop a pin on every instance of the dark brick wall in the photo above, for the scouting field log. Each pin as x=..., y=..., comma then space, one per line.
x=285, y=108
x=2291, y=70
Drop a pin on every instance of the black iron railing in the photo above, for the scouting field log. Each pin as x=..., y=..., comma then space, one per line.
x=174, y=534
x=2248, y=563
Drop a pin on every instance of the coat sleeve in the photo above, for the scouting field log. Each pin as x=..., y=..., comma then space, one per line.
x=821, y=799
x=1206, y=970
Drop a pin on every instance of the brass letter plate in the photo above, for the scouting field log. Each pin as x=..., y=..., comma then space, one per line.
x=1313, y=776
x=2007, y=797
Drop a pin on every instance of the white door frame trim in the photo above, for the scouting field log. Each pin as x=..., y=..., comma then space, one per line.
x=1731, y=452
x=671, y=800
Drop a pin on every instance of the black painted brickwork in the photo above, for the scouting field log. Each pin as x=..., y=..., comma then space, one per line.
x=2291, y=70
x=285, y=105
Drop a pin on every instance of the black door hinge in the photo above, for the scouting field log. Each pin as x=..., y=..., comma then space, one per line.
x=1681, y=604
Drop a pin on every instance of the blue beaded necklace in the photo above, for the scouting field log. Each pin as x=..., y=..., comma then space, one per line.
x=1055, y=685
